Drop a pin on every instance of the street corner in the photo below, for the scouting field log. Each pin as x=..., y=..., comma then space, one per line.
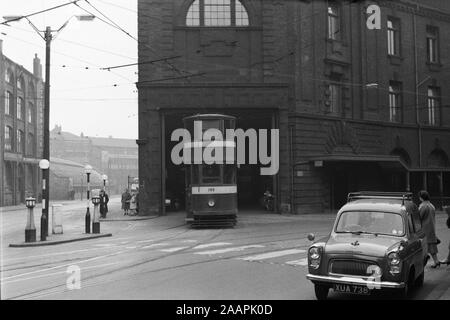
x=60, y=239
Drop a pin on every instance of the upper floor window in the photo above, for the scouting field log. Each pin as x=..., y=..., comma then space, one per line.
x=334, y=28
x=19, y=84
x=395, y=101
x=332, y=97
x=30, y=144
x=393, y=34
x=217, y=13
x=433, y=44
x=433, y=105
x=20, y=141
x=8, y=138
x=30, y=112
x=9, y=76
x=8, y=102
x=20, y=114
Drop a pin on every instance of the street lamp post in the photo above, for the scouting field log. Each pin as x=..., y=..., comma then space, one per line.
x=30, y=229
x=44, y=164
x=95, y=218
x=88, y=170
x=47, y=37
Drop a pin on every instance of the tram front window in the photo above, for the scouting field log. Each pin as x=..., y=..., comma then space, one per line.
x=229, y=174
x=211, y=174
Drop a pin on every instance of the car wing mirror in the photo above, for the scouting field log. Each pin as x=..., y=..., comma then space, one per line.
x=311, y=237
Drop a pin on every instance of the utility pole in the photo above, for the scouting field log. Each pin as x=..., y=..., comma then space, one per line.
x=46, y=153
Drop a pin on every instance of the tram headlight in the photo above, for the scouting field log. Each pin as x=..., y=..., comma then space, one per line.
x=211, y=203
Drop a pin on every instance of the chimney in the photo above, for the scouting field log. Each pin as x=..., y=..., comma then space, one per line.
x=37, y=67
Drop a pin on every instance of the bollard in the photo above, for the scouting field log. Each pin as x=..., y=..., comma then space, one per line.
x=95, y=218
x=30, y=229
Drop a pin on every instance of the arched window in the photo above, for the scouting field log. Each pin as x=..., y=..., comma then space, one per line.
x=20, y=84
x=217, y=13
x=438, y=159
x=30, y=111
x=8, y=138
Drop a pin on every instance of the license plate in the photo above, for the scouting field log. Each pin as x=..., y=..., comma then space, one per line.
x=353, y=289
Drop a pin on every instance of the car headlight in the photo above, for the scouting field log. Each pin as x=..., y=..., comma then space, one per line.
x=315, y=255
x=211, y=203
x=394, y=263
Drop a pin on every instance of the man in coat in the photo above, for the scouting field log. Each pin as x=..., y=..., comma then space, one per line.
x=427, y=216
x=104, y=199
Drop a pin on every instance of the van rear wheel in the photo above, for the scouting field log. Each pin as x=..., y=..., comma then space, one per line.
x=321, y=291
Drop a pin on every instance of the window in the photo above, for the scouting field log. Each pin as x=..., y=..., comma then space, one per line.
x=393, y=33
x=433, y=105
x=19, y=108
x=332, y=98
x=334, y=30
x=30, y=144
x=30, y=112
x=8, y=138
x=8, y=102
x=20, y=141
x=19, y=84
x=8, y=76
x=433, y=44
x=217, y=13
x=394, y=101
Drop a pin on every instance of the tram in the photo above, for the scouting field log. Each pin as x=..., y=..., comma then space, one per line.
x=211, y=187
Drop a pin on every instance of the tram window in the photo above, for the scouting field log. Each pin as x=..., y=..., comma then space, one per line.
x=211, y=173
x=195, y=175
x=229, y=174
x=211, y=124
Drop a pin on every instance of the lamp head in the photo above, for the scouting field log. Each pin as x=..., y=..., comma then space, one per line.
x=44, y=164
x=96, y=200
x=30, y=202
x=85, y=17
x=105, y=177
x=88, y=169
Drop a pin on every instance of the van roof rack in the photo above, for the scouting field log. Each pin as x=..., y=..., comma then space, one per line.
x=380, y=195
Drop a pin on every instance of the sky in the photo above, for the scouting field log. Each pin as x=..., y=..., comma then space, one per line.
x=84, y=98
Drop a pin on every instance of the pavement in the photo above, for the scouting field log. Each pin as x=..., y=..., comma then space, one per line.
x=263, y=257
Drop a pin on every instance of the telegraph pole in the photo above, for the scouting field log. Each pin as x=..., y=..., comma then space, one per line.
x=46, y=153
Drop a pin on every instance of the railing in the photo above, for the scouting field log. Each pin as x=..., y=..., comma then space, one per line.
x=379, y=195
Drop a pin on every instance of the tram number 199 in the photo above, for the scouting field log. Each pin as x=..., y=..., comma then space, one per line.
x=211, y=190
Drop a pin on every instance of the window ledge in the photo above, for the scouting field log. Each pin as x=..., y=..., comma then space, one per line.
x=238, y=28
x=395, y=59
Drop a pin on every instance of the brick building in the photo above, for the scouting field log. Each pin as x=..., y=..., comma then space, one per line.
x=356, y=108
x=117, y=158
x=21, y=123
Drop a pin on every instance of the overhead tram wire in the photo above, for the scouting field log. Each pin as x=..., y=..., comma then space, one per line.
x=39, y=12
x=112, y=23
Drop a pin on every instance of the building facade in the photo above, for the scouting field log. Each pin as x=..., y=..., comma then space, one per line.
x=117, y=158
x=356, y=108
x=21, y=122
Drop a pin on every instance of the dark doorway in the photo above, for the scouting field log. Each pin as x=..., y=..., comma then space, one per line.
x=251, y=185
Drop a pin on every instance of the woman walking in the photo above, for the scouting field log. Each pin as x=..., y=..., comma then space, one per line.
x=126, y=198
x=427, y=216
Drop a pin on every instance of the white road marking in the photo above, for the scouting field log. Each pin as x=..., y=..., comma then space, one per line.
x=144, y=241
x=134, y=247
x=273, y=254
x=173, y=249
x=189, y=241
x=302, y=262
x=214, y=244
x=104, y=245
x=155, y=245
x=234, y=249
x=63, y=272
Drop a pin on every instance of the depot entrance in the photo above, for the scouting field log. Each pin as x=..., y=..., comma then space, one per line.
x=251, y=185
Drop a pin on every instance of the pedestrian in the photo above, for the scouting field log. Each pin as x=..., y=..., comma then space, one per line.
x=427, y=216
x=133, y=204
x=447, y=261
x=126, y=197
x=137, y=201
x=104, y=199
